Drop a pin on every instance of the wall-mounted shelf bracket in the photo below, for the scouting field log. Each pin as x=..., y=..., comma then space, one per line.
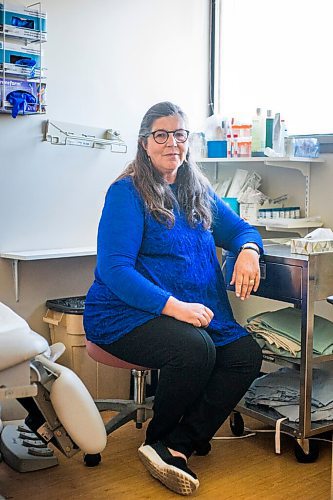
x=15, y=264
x=297, y=164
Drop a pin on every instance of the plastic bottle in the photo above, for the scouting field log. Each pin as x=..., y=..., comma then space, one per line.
x=258, y=134
x=235, y=146
x=197, y=145
x=283, y=136
x=277, y=134
x=229, y=150
x=213, y=128
x=269, y=129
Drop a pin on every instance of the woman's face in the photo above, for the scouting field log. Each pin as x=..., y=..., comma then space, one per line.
x=167, y=157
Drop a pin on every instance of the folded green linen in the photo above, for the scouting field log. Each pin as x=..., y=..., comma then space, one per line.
x=281, y=330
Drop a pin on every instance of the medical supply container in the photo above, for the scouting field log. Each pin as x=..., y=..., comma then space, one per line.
x=65, y=319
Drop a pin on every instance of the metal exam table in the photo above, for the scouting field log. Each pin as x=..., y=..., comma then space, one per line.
x=300, y=280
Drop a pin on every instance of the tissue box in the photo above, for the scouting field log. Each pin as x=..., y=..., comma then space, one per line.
x=306, y=246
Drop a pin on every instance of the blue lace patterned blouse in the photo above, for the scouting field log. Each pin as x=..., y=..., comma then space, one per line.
x=141, y=263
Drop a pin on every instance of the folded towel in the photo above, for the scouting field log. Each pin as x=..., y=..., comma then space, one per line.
x=281, y=331
x=280, y=391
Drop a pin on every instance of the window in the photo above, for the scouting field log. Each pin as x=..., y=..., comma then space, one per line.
x=276, y=54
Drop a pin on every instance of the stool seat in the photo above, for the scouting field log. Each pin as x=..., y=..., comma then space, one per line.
x=104, y=357
x=139, y=408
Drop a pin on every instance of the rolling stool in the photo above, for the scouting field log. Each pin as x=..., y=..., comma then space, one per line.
x=138, y=409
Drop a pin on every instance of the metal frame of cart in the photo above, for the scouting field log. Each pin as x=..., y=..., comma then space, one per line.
x=301, y=280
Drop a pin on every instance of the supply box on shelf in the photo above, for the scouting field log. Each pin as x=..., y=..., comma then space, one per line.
x=14, y=53
x=306, y=246
x=37, y=90
x=65, y=319
x=23, y=22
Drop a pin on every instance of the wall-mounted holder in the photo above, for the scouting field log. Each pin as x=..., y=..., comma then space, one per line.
x=22, y=32
x=69, y=134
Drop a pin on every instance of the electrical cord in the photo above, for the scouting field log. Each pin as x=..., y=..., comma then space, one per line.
x=253, y=432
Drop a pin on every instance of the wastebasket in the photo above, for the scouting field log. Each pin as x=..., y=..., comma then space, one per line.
x=65, y=319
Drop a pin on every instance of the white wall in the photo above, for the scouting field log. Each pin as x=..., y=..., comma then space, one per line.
x=108, y=61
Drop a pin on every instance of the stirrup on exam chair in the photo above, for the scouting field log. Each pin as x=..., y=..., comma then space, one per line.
x=61, y=410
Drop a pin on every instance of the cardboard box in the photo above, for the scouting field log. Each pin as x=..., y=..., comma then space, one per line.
x=102, y=381
x=23, y=22
x=306, y=246
x=15, y=52
x=33, y=87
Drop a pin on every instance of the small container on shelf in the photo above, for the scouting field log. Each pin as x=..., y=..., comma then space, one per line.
x=234, y=146
x=244, y=147
x=217, y=149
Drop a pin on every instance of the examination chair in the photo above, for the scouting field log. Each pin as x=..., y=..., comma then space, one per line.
x=60, y=408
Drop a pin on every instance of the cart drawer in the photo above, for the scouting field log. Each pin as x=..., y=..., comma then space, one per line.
x=278, y=281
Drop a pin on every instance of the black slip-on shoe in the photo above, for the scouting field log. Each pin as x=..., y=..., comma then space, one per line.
x=202, y=449
x=171, y=471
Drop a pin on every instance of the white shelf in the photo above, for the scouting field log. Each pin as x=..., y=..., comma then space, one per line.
x=300, y=226
x=262, y=159
x=54, y=253
x=292, y=162
x=301, y=164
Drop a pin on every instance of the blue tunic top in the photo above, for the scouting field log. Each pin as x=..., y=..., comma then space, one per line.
x=141, y=263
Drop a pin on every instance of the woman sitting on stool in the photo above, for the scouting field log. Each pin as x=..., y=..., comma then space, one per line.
x=159, y=299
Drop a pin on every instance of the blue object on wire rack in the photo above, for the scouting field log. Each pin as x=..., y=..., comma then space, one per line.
x=22, y=23
x=27, y=63
x=20, y=99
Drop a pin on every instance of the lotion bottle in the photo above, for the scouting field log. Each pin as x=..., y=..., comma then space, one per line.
x=258, y=134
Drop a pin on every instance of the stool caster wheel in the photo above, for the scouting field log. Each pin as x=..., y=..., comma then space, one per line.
x=236, y=423
x=138, y=425
x=92, y=460
x=307, y=458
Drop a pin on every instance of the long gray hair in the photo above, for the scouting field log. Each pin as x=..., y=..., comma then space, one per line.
x=192, y=186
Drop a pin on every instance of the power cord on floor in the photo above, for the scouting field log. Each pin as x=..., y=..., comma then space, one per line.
x=253, y=432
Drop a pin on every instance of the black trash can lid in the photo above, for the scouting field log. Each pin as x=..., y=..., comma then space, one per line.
x=70, y=305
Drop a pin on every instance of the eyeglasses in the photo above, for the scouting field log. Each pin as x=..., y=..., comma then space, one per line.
x=161, y=136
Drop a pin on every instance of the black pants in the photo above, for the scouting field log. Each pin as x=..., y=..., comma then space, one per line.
x=199, y=384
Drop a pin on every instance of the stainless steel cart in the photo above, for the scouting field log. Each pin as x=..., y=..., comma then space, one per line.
x=301, y=280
